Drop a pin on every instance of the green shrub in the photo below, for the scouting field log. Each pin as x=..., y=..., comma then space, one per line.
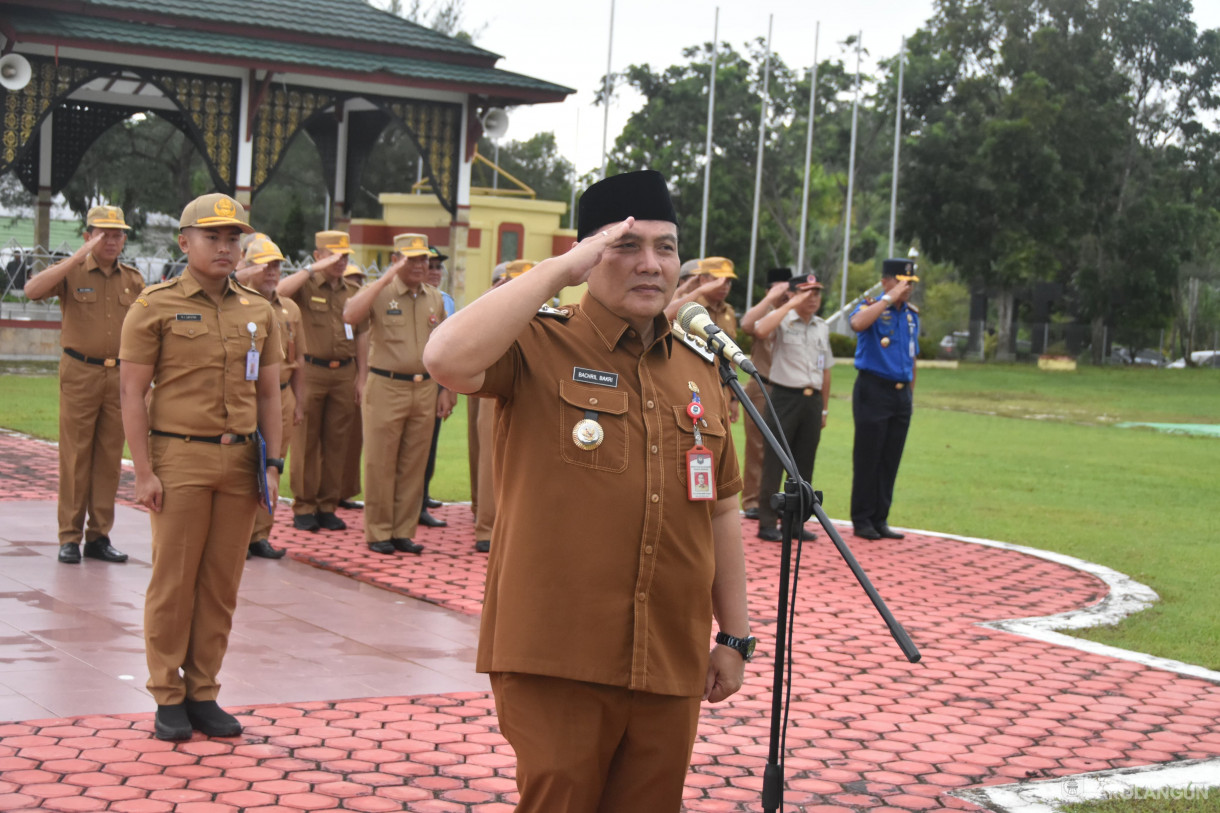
x=843, y=346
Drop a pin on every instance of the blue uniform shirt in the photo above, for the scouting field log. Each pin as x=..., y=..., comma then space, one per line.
x=449, y=305
x=888, y=347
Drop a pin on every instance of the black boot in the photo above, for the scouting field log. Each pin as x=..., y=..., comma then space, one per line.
x=211, y=719
x=171, y=723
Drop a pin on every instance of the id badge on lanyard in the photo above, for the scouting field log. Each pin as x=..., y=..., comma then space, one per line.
x=252, y=354
x=700, y=465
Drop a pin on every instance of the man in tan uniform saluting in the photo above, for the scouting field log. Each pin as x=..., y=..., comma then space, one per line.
x=321, y=440
x=260, y=270
x=94, y=291
x=399, y=399
x=212, y=347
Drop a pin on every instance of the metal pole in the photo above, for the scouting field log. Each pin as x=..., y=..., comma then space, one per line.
x=576, y=140
x=902, y=58
x=606, y=100
x=813, y=98
x=495, y=176
x=707, y=160
x=762, y=136
x=851, y=177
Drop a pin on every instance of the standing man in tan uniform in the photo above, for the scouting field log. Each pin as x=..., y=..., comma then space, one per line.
x=260, y=270
x=212, y=348
x=321, y=440
x=355, y=441
x=595, y=632
x=400, y=401
x=94, y=291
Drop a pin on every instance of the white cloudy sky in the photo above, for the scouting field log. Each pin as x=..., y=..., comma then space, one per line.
x=566, y=42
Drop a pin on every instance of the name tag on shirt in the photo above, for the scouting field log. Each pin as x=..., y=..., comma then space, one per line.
x=348, y=332
x=189, y=317
x=601, y=379
x=252, y=365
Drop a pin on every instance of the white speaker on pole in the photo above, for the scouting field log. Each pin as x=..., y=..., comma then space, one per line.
x=495, y=123
x=15, y=72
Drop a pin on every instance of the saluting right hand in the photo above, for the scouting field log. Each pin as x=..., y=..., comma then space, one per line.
x=149, y=491
x=94, y=241
x=902, y=291
x=586, y=254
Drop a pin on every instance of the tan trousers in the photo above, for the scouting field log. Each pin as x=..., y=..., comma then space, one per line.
x=198, y=551
x=398, y=421
x=485, y=513
x=751, y=474
x=351, y=467
x=262, y=517
x=321, y=439
x=590, y=748
x=472, y=449
x=90, y=448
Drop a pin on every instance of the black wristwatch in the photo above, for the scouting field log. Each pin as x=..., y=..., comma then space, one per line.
x=744, y=646
x=278, y=462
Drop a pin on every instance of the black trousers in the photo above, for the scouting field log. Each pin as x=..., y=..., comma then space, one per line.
x=882, y=412
x=800, y=419
x=430, y=468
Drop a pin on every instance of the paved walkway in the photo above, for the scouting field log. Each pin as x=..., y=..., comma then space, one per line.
x=868, y=731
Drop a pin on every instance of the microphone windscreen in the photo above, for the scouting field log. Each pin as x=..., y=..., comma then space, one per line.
x=687, y=314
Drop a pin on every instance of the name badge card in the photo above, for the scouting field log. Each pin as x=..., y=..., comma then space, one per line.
x=252, y=354
x=348, y=332
x=700, y=483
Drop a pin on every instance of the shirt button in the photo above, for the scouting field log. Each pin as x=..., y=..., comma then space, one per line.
x=642, y=597
x=650, y=404
x=593, y=401
x=648, y=549
x=654, y=449
x=656, y=497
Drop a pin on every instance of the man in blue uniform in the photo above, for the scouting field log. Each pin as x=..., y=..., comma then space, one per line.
x=887, y=343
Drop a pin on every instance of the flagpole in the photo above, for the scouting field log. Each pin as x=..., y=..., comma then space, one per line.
x=813, y=98
x=902, y=56
x=762, y=136
x=711, y=109
x=851, y=178
x=606, y=99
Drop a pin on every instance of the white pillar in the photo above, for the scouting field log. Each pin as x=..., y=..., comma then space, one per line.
x=245, y=145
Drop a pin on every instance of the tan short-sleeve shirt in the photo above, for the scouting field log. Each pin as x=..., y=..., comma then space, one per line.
x=601, y=567
x=199, y=352
x=724, y=316
x=321, y=301
x=400, y=323
x=93, y=303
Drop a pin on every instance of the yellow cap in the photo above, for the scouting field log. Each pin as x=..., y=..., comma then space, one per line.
x=353, y=270
x=717, y=267
x=262, y=250
x=335, y=242
x=518, y=267
x=411, y=245
x=105, y=217
x=213, y=211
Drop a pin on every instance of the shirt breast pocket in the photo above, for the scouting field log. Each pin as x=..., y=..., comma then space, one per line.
x=395, y=327
x=184, y=334
x=610, y=407
x=714, y=438
x=241, y=335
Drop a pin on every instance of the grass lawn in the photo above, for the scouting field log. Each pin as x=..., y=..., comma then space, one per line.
x=1202, y=800
x=1004, y=452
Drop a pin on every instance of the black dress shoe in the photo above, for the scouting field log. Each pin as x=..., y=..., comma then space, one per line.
x=806, y=535
x=866, y=532
x=406, y=545
x=211, y=719
x=886, y=532
x=262, y=548
x=770, y=535
x=429, y=521
x=306, y=522
x=750, y=513
x=171, y=723
x=330, y=522
x=431, y=503
x=69, y=553
x=385, y=546
x=482, y=546
x=100, y=549
x=354, y=504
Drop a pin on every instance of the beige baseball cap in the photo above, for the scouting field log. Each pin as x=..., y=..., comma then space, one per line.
x=353, y=270
x=721, y=267
x=336, y=242
x=105, y=217
x=213, y=211
x=262, y=250
x=411, y=245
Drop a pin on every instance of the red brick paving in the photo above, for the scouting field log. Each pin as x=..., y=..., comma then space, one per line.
x=868, y=731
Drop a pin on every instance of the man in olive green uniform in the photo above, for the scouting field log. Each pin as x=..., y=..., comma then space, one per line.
x=212, y=348
x=399, y=399
x=321, y=439
x=94, y=291
x=260, y=270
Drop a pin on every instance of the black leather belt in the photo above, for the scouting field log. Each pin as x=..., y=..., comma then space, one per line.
x=333, y=364
x=68, y=351
x=227, y=439
x=805, y=391
x=885, y=382
x=400, y=376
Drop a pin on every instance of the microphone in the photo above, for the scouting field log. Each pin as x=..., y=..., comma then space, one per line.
x=693, y=318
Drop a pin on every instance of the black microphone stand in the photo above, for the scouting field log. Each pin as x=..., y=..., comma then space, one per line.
x=798, y=502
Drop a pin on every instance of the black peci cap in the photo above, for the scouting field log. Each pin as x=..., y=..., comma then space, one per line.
x=778, y=275
x=643, y=195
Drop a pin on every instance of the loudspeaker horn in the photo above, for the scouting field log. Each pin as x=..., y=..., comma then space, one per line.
x=15, y=72
x=495, y=123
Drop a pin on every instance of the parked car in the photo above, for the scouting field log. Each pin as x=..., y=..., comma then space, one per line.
x=1144, y=358
x=1199, y=358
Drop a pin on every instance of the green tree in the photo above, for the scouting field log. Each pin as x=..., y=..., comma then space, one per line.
x=536, y=162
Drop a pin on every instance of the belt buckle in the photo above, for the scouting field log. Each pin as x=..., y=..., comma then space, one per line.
x=228, y=439
x=898, y=385
x=808, y=391
x=333, y=364
x=110, y=362
x=418, y=377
